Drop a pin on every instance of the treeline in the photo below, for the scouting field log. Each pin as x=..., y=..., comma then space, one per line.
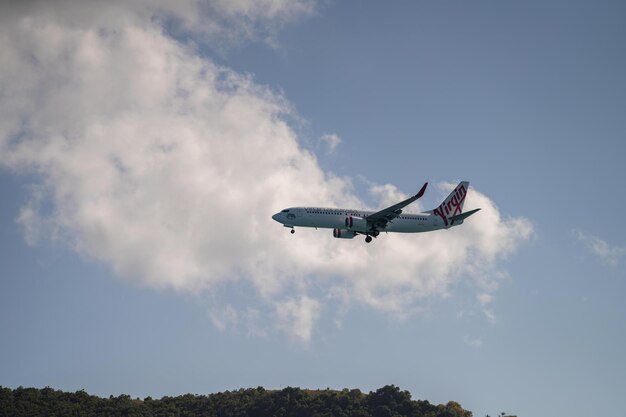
x=388, y=401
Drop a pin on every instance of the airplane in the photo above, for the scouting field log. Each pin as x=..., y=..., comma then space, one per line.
x=347, y=223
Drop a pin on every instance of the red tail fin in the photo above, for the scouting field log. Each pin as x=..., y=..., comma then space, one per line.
x=453, y=205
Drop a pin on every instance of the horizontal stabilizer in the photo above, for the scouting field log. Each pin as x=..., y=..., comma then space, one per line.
x=462, y=216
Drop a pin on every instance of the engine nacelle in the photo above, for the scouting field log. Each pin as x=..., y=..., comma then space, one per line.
x=358, y=224
x=343, y=234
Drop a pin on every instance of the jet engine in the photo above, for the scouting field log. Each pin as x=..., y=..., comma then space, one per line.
x=358, y=224
x=343, y=234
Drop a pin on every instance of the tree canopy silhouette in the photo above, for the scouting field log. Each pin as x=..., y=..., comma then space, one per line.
x=388, y=401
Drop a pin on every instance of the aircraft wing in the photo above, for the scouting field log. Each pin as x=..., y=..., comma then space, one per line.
x=382, y=217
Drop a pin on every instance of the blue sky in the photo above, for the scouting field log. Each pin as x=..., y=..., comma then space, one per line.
x=143, y=150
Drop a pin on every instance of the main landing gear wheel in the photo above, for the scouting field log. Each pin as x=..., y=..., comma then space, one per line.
x=368, y=239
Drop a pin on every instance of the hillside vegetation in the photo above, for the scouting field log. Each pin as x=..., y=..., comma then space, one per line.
x=388, y=401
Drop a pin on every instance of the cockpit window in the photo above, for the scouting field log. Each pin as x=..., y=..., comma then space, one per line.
x=286, y=211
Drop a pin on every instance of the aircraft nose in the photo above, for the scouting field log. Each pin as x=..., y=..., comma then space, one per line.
x=275, y=217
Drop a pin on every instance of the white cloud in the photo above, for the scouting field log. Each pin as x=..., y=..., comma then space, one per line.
x=224, y=319
x=296, y=317
x=331, y=141
x=265, y=9
x=475, y=342
x=167, y=167
x=608, y=254
x=233, y=22
x=490, y=315
x=223, y=23
x=484, y=298
x=231, y=319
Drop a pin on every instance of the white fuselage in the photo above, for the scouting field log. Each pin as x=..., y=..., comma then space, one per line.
x=347, y=223
x=335, y=218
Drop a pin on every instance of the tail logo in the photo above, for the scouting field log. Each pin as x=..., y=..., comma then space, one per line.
x=452, y=206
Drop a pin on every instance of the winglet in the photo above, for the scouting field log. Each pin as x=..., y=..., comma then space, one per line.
x=421, y=192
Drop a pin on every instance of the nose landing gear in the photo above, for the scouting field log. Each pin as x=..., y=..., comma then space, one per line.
x=293, y=231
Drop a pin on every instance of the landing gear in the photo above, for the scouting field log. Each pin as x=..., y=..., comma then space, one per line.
x=368, y=238
x=293, y=231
